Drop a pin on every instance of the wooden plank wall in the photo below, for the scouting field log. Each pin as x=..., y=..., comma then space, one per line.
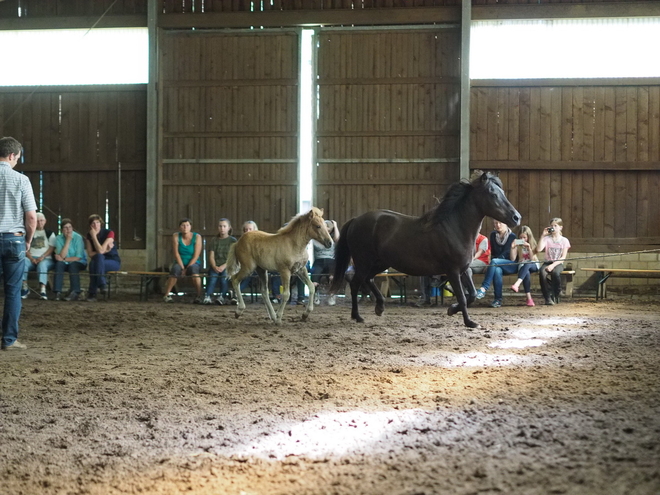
x=388, y=120
x=587, y=154
x=229, y=147
x=80, y=143
x=183, y=6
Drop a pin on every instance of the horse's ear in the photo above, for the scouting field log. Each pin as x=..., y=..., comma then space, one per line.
x=321, y=211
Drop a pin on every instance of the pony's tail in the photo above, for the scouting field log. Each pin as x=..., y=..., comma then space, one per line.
x=342, y=259
x=233, y=266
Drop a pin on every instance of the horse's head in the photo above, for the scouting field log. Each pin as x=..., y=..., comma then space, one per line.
x=317, y=229
x=493, y=202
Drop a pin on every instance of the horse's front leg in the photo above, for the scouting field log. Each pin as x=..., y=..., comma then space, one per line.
x=455, y=280
x=303, y=275
x=468, y=286
x=285, y=275
x=263, y=278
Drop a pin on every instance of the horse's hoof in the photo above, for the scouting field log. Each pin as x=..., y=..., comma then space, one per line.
x=379, y=310
x=359, y=319
x=472, y=324
x=237, y=315
x=304, y=316
x=453, y=309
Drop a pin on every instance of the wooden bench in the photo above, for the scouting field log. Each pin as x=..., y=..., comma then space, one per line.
x=384, y=279
x=146, y=279
x=605, y=273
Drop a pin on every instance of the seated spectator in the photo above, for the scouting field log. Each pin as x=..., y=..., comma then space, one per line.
x=102, y=253
x=69, y=257
x=324, y=261
x=273, y=278
x=187, y=248
x=556, y=248
x=526, y=254
x=503, y=253
x=481, y=258
x=218, y=262
x=39, y=257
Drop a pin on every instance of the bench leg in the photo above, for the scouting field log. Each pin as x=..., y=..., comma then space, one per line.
x=569, y=285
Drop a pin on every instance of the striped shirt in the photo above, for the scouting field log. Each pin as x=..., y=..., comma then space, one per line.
x=16, y=199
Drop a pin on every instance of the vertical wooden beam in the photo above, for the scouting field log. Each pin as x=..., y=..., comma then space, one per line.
x=466, y=21
x=152, y=140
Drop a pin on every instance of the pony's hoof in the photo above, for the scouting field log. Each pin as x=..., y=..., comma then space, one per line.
x=472, y=324
x=237, y=315
x=304, y=316
x=358, y=319
x=453, y=309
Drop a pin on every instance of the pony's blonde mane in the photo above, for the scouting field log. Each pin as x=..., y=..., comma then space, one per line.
x=296, y=221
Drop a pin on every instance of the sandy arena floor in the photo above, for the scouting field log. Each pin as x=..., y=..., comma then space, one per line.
x=127, y=397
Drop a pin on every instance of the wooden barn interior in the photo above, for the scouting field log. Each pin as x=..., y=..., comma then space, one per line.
x=216, y=130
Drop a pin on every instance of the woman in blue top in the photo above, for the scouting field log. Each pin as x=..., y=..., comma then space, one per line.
x=69, y=257
x=103, y=256
x=187, y=247
x=502, y=256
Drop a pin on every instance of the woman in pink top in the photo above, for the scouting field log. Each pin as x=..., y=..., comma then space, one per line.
x=556, y=248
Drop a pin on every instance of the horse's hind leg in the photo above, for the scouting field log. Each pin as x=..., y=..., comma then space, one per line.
x=380, y=301
x=236, y=284
x=263, y=277
x=356, y=283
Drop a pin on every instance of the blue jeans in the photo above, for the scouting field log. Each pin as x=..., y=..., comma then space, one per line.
x=42, y=269
x=213, y=279
x=74, y=268
x=12, y=256
x=525, y=270
x=98, y=267
x=494, y=272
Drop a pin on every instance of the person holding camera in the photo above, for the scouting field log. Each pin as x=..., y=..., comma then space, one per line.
x=503, y=255
x=526, y=247
x=556, y=248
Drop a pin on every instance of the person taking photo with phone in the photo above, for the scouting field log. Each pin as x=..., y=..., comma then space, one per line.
x=556, y=248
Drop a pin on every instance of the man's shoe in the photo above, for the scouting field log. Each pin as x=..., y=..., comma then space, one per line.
x=220, y=301
x=73, y=296
x=16, y=346
x=58, y=296
x=207, y=300
x=43, y=296
x=24, y=292
x=497, y=303
x=481, y=292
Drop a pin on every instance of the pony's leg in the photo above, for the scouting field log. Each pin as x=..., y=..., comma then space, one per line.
x=455, y=280
x=236, y=283
x=304, y=276
x=263, y=277
x=285, y=275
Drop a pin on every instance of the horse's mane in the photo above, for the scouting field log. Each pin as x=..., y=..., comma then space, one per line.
x=295, y=221
x=456, y=194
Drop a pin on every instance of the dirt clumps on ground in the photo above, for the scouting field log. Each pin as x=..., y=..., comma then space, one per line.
x=152, y=398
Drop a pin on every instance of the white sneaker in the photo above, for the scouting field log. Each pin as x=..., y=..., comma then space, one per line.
x=167, y=299
x=317, y=299
x=331, y=301
x=207, y=300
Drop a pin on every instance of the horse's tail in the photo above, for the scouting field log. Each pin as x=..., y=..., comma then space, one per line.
x=233, y=266
x=342, y=259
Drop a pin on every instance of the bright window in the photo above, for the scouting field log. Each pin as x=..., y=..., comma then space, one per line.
x=571, y=48
x=75, y=56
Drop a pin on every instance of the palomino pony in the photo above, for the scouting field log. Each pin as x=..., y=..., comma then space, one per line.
x=284, y=252
x=442, y=241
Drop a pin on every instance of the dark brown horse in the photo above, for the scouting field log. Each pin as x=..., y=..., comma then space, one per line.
x=442, y=241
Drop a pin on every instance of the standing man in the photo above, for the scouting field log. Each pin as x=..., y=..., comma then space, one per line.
x=18, y=221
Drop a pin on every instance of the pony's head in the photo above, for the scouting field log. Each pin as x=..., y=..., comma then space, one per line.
x=491, y=200
x=317, y=228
